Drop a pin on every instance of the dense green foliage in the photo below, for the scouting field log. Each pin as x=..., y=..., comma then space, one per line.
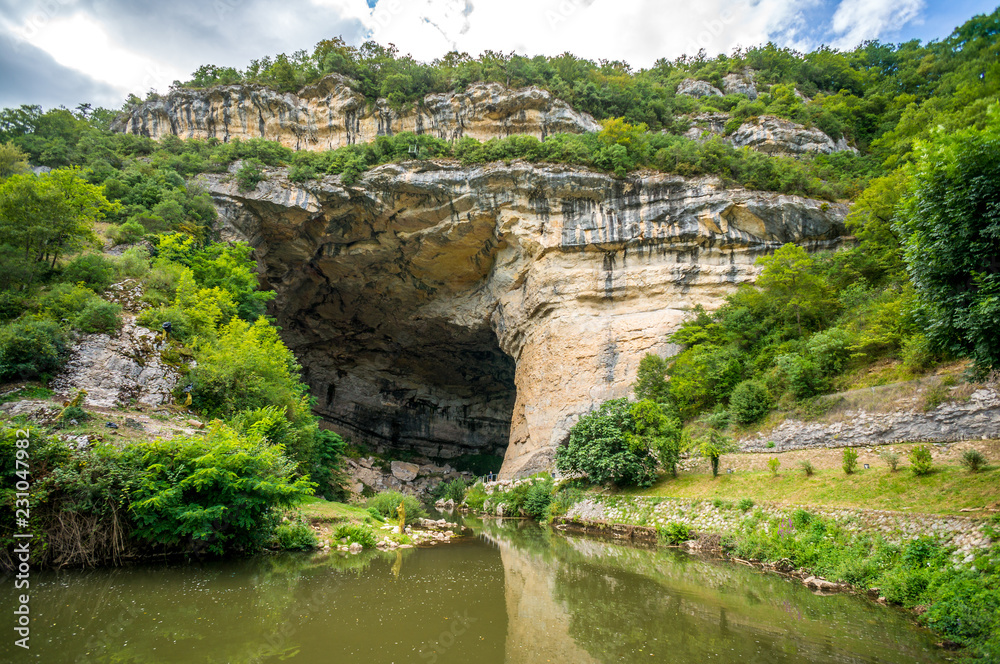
x=215, y=494
x=952, y=241
x=621, y=443
x=387, y=502
x=962, y=601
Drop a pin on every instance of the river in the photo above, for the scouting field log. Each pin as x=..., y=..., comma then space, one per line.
x=516, y=593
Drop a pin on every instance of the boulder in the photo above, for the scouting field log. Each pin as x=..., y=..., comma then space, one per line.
x=403, y=471
x=695, y=88
x=742, y=83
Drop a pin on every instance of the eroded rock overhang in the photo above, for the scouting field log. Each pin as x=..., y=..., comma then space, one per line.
x=454, y=310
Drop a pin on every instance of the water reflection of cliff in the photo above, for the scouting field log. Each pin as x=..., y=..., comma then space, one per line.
x=580, y=600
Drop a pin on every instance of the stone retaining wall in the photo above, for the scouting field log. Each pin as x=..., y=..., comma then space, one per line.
x=977, y=418
x=965, y=533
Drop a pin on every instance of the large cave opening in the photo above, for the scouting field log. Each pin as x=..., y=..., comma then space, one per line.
x=435, y=389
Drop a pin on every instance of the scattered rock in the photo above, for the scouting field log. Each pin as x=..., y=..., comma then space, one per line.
x=134, y=424
x=355, y=548
x=742, y=83
x=445, y=504
x=695, y=88
x=403, y=471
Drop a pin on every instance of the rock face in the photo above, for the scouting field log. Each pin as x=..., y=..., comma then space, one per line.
x=122, y=368
x=456, y=310
x=773, y=135
x=740, y=84
x=979, y=417
x=331, y=114
x=695, y=88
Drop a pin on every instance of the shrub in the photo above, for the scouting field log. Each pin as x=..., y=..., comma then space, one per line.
x=973, y=460
x=218, y=493
x=475, y=497
x=807, y=467
x=65, y=301
x=801, y=518
x=920, y=459
x=538, y=498
x=386, y=502
x=749, y=402
x=99, y=316
x=453, y=490
x=745, y=504
x=891, y=459
x=250, y=173
x=673, y=533
x=30, y=348
x=133, y=263
x=128, y=233
x=295, y=535
x=773, y=464
x=357, y=532
x=93, y=270
x=598, y=446
x=850, y=460
x=563, y=500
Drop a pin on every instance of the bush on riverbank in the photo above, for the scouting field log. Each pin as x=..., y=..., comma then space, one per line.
x=386, y=502
x=217, y=494
x=962, y=602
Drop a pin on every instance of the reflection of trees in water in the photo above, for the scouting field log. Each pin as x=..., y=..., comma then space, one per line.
x=629, y=604
x=137, y=614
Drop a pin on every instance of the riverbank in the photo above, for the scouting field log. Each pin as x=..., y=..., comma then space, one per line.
x=946, y=569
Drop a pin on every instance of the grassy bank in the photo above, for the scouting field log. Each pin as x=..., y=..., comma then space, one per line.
x=946, y=490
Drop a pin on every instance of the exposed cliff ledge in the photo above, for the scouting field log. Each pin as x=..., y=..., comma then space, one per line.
x=331, y=114
x=452, y=309
x=768, y=134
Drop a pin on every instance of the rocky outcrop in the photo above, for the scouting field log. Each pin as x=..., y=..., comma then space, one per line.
x=979, y=417
x=695, y=88
x=740, y=84
x=767, y=134
x=417, y=479
x=331, y=114
x=120, y=369
x=460, y=310
x=773, y=135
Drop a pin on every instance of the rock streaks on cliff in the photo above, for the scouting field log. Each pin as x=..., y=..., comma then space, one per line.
x=331, y=114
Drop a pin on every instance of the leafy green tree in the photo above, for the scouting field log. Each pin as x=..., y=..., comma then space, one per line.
x=791, y=283
x=651, y=380
x=30, y=348
x=657, y=432
x=50, y=215
x=749, y=402
x=599, y=447
x=951, y=226
x=13, y=160
x=712, y=446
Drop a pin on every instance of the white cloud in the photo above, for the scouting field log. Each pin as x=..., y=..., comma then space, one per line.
x=81, y=43
x=637, y=31
x=858, y=20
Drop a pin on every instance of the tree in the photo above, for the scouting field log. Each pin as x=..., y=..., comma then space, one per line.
x=790, y=281
x=712, y=446
x=951, y=229
x=651, y=380
x=657, y=432
x=13, y=160
x=52, y=214
x=599, y=446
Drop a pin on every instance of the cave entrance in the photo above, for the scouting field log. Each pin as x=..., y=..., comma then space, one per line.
x=436, y=390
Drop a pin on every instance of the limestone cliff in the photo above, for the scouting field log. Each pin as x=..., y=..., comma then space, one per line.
x=331, y=114
x=455, y=310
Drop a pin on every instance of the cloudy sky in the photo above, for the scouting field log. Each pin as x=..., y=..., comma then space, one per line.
x=66, y=52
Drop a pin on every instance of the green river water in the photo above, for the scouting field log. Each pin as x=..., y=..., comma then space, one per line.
x=514, y=593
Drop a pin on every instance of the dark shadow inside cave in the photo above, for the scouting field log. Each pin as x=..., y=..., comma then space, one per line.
x=432, y=389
